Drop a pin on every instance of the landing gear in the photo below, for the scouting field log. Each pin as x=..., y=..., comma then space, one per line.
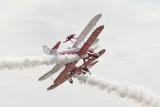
x=85, y=69
x=71, y=81
x=83, y=72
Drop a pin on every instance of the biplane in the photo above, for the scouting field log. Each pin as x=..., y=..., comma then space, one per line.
x=70, y=69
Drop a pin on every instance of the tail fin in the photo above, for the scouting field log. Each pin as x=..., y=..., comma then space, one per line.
x=49, y=51
x=54, y=49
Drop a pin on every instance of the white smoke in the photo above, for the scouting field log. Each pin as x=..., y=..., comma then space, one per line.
x=138, y=94
x=32, y=61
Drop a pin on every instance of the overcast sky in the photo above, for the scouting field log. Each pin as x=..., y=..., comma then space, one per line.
x=131, y=38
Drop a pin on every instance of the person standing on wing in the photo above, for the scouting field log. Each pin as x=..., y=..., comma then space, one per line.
x=70, y=37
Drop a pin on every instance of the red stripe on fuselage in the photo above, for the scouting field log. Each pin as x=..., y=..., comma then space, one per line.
x=72, y=52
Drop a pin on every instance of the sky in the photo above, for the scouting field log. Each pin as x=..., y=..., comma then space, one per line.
x=130, y=37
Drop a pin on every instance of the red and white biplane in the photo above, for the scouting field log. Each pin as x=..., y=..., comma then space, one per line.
x=71, y=69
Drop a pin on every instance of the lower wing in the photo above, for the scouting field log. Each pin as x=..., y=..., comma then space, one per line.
x=51, y=72
x=65, y=72
x=60, y=82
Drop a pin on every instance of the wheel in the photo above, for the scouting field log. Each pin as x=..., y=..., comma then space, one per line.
x=84, y=73
x=71, y=81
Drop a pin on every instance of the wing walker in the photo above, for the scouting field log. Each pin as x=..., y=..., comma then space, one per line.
x=70, y=69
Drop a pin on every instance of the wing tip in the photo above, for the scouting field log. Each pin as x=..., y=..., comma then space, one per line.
x=40, y=79
x=45, y=76
x=51, y=87
x=98, y=16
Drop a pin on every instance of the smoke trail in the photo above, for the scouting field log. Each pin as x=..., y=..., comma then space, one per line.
x=31, y=61
x=138, y=94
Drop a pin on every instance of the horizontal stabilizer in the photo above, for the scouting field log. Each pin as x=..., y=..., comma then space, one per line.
x=46, y=50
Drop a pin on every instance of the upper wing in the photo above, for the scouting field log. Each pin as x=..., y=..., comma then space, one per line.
x=51, y=72
x=86, y=30
x=90, y=40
